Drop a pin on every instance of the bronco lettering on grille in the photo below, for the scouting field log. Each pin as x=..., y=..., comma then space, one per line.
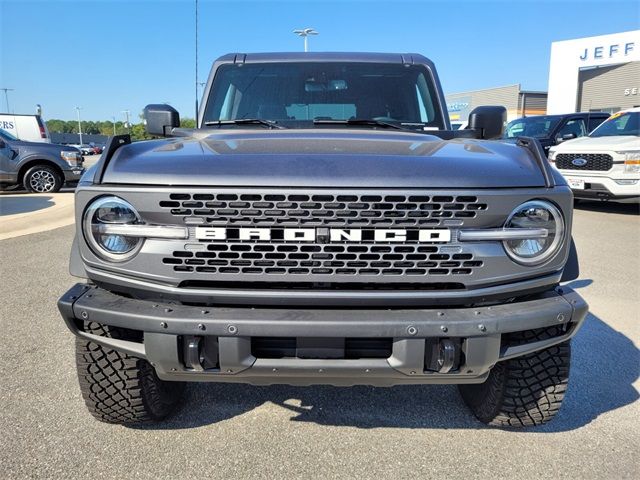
x=315, y=235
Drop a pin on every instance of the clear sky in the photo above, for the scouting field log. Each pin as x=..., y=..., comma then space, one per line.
x=107, y=56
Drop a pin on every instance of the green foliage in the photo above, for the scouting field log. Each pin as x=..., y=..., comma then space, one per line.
x=187, y=123
x=137, y=131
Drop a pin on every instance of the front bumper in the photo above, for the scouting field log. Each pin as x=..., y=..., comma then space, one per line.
x=73, y=175
x=599, y=187
x=478, y=330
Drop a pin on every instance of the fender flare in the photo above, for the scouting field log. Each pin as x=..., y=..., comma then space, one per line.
x=572, y=267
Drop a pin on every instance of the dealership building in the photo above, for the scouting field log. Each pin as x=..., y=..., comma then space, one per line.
x=597, y=74
x=592, y=74
x=519, y=103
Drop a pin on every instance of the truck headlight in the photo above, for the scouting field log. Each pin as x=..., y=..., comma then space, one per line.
x=631, y=161
x=110, y=211
x=535, y=214
x=72, y=158
x=552, y=155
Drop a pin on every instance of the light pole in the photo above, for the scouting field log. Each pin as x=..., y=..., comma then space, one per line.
x=6, y=96
x=197, y=107
x=79, y=125
x=304, y=33
x=114, y=126
x=127, y=124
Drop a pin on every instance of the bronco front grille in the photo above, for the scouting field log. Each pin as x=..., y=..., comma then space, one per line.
x=595, y=161
x=317, y=259
x=227, y=209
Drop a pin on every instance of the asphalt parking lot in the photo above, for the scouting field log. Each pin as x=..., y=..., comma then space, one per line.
x=235, y=431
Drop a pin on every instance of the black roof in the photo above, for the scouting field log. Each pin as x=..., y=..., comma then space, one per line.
x=402, y=58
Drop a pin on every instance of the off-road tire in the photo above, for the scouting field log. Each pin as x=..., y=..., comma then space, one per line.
x=524, y=391
x=119, y=388
x=42, y=179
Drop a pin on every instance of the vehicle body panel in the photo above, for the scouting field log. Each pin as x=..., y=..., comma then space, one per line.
x=353, y=159
x=30, y=128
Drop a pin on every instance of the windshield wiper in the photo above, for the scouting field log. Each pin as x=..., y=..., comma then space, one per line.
x=362, y=121
x=245, y=121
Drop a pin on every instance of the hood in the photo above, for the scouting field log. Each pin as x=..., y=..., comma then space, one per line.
x=323, y=158
x=41, y=146
x=586, y=144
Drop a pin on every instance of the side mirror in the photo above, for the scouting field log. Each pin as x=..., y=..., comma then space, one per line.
x=160, y=119
x=489, y=121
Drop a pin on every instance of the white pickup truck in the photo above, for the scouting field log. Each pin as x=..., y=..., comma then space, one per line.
x=605, y=165
x=28, y=128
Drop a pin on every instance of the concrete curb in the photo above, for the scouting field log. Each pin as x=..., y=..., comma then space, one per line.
x=34, y=213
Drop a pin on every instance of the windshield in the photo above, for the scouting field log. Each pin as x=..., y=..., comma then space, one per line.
x=6, y=135
x=623, y=123
x=537, y=127
x=297, y=93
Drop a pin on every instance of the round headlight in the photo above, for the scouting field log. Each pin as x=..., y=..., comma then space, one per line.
x=111, y=211
x=535, y=214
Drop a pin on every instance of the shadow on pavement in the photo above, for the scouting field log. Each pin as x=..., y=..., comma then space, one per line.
x=11, y=205
x=608, y=207
x=605, y=364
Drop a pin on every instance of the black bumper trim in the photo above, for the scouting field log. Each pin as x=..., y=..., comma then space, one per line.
x=105, y=307
x=286, y=298
x=481, y=327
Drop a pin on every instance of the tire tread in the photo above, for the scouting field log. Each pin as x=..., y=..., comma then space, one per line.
x=119, y=388
x=524, y=391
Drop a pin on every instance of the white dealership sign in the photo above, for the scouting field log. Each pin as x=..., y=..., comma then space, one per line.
x=568, y=57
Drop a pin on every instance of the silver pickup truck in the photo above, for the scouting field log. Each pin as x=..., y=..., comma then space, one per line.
x=323, y=225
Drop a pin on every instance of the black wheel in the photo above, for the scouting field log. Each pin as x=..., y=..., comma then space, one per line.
x=42, y=179
x=524, y=391
x=119, y=388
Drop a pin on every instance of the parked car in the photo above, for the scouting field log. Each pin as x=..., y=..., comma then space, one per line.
x=97, y=149
x=606, y=164
x=84, y=148
x=331, y=234
x=39, y=167
x=552, y=130
x=29, y=128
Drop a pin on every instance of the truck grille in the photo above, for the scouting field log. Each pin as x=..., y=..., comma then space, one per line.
x=595, y=161
x=275, y=259
x=226, y=209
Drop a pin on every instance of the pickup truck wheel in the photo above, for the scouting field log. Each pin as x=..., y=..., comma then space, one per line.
x=42, y=179
x=119, y=388
x=524, y=391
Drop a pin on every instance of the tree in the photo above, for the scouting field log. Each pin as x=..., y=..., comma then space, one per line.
x=187, y=123
x=138, y=132
x=61, y=126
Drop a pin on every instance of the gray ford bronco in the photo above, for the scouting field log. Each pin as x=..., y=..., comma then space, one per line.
x=323, y=225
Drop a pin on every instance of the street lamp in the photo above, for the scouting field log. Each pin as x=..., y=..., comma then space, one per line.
x=6, y=96
x=79, y=125
x=127, y=124
x=114, y=126
x=304, y=33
